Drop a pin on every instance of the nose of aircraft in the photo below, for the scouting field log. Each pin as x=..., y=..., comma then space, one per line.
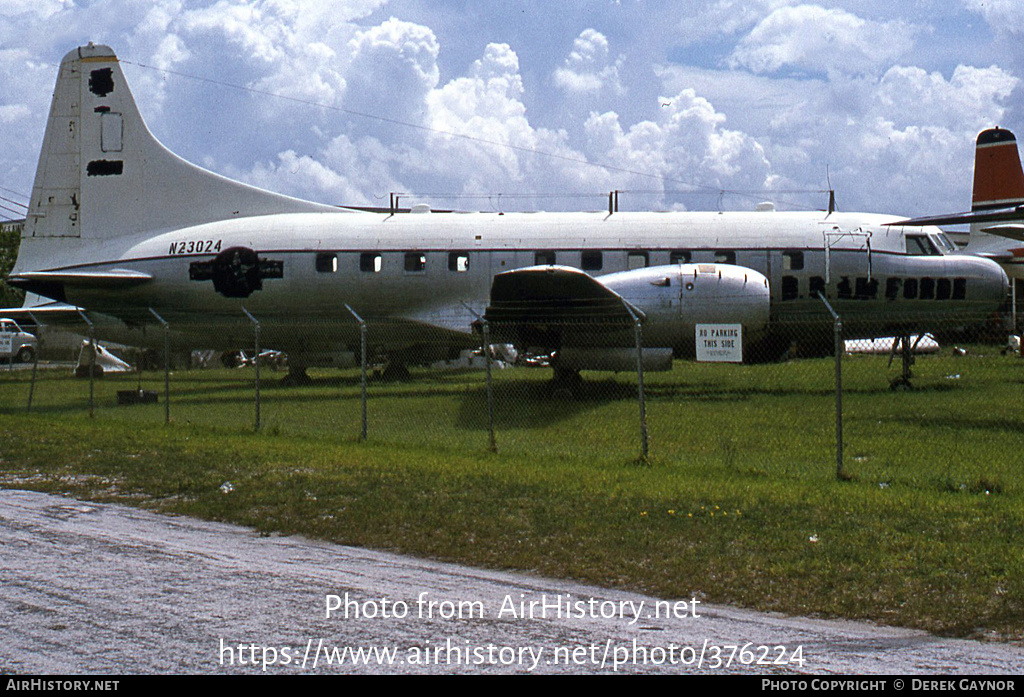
x=991, y=284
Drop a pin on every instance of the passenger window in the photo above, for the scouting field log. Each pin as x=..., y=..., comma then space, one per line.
x=544, y=258
x=326, y=262
x=910, y=288
x=458, y=261
x=927, y=288
x=817, y=286
x=636, y=260
x=866, y=290
x=725, y=256
x=790, y=288
x=792, y=261
x=892, y=288
x=679, y=257
x=415, y=261
x=959, y=288
x=944, y=290
x=845, y=289
x=370, y=262
x=592, y=261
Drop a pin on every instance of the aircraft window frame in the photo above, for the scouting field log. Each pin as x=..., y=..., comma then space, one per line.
x=643, y=257
x=893, y=286
x=591, y=260
x=544, y=258
x=792, y=261
x=680, y=256
x=326, y=262
x=923, y=246
x=959, y=289
x=415, y=262
x=844, y=289
x=790, y=288
x=865, y=289
x=910, y=288
x=926, y=291
x=944, y=244
x=458, y=262
x=817, y=285
x=371, y=262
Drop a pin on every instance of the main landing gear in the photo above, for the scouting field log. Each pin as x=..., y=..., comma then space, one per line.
x=902, y=344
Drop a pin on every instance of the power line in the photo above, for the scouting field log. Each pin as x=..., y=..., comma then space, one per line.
x=455, y=134
x=20, y=205
x=18, y=213
x=16, y=193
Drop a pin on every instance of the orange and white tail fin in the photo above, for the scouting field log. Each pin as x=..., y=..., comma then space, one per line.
x=998, y=178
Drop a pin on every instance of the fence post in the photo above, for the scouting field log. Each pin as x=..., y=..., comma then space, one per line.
x=638, y=335
x=256, y=360
x=492, y=443
x=35, y=359
x=92, y=364
x=362, y=363
x=837, y=329
x=167, y=366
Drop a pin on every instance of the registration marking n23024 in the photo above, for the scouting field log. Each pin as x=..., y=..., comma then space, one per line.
x=195, y=247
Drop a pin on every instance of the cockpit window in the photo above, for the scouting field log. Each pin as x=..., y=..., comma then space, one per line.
x=920, y=245
x=943, y=243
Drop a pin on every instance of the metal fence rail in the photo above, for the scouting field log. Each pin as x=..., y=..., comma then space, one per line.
x=472, y=393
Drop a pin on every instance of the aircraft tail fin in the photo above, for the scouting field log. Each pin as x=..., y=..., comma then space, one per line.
x=102, y=174
x=998, y=178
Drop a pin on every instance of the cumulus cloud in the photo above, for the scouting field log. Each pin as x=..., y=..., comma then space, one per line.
x=486, y=104
x=892, y=143
x=588, y=68
x=813, y=38
x=1003, y=15
x=37, y=9
x=393, y=68
x=708, y=20
x=800, y=86
x=688, y=144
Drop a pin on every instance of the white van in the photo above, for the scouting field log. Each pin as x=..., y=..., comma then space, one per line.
x=15, y=344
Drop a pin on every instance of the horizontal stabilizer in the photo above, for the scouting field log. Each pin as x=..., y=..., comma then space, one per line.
x=117, y=278
x=1009, y=230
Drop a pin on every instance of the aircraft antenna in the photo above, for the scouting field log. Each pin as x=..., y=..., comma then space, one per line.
x=831, y=193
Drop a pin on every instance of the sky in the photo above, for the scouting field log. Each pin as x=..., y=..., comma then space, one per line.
x=545, y=104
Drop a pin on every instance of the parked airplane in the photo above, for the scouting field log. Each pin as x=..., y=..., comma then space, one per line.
x=997, y=208
x=120, y=225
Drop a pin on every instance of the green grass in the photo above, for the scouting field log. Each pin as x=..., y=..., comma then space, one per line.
x=739, y=502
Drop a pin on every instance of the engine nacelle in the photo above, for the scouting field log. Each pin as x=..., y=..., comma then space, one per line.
x=675, y=299
x=618, y=360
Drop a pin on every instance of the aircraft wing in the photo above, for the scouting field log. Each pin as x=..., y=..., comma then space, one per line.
x=551, y=294
x=994, y=215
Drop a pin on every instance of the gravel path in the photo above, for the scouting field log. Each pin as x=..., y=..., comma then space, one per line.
x=103, y=588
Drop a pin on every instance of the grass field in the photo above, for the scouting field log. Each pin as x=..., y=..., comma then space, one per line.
x=739, y=502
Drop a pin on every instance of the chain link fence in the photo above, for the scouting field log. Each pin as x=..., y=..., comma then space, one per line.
x=875, y=408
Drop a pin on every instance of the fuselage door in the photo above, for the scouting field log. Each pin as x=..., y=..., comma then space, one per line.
x=836, y=239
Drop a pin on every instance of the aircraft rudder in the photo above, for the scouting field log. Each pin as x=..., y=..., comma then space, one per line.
x=102, y=174
x=998, y=177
